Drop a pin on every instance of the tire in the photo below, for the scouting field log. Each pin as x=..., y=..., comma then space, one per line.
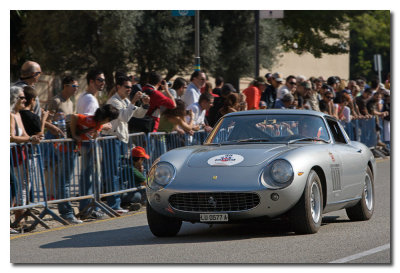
x=306, y=216
x=161, y=225
x=364, y=209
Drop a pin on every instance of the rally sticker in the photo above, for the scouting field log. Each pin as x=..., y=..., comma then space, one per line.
x=225, y=160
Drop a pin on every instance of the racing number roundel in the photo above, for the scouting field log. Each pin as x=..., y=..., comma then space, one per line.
x=225, y=160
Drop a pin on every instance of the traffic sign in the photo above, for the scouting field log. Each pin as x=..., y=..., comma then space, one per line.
x=183, y=13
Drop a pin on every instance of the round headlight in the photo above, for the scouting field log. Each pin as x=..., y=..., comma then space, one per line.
x=281, y=171
x=161, y=174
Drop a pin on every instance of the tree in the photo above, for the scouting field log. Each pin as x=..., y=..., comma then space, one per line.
x=166, y=43
x=79, y=40
x=370, y=34
x=236, y=48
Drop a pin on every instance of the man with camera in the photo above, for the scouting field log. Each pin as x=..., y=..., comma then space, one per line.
x=127, y=109
x=157, y=98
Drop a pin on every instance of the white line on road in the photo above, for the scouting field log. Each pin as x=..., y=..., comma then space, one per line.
x=360, y=255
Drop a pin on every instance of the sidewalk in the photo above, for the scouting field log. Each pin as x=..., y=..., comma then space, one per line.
x=48, y=220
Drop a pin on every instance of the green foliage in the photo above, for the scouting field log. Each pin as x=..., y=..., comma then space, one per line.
x=75, y=41
x=370, y=34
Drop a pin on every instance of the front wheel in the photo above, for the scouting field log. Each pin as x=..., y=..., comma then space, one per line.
x=161, y=225
x=365, y=207
x=306, y=216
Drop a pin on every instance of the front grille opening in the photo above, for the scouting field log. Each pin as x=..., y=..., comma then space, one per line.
x=214, y=202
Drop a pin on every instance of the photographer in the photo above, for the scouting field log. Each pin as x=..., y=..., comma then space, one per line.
x=127, y=109
x=157, y=98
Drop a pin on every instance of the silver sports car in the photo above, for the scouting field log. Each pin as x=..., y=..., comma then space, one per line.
x=289, y=164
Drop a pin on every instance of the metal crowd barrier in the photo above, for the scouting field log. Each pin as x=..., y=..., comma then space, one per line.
x=56, y=171
x=362, y=130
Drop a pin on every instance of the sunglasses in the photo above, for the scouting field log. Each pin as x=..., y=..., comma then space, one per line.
x=128, y=87
x=37, y=73
x=21, y=97
x=292, y=83
x=100, y=79
x=329, y=98
x=73, y=85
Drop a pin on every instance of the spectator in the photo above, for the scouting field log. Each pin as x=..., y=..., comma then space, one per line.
x=135, y=199
x=362, y=100
x=289, y=87
x=174, y=120
x=230, y=104
x=242, y=105
x=18, y=135
x=87, y=103
x=286, y=102
x=219, y=82
x=373, y=110
x=386, y=119
x=127, y=109
x=157, y=98
x=30, y=74
x=214, y=113
x=199, y=109
x=300, y=79
x=317, y=86
x=253, y=93
x=32, y=123
x=342, y=111
x=269, y=94
x=197, y=81
x=333, y=82
x=268, y=76
x=326, y=104
x=178, y=88
x=310, y=96
x=86, y=127
x=62, y=103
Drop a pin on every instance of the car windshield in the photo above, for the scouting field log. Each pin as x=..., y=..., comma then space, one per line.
x=262, y=128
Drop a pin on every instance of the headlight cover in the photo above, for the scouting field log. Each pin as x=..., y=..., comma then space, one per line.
x=160, y=175
x=278, y=174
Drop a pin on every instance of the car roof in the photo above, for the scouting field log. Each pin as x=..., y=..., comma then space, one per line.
x=278, y=111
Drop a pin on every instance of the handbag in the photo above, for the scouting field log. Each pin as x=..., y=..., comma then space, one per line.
x=139, y=125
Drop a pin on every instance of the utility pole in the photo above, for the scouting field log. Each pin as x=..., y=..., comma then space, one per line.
x=197, y=41
x=257, y=43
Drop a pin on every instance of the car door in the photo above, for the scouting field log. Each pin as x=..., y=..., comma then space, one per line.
x=350, y=168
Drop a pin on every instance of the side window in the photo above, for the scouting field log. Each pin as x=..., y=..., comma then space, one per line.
x=336, y=132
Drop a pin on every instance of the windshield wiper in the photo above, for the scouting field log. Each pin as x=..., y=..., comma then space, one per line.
x=254, y=140
x=307, y=139
x=246, y=140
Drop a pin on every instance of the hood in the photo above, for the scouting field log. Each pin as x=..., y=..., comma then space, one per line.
x=235, y=155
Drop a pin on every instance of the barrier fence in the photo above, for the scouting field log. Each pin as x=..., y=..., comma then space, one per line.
x=56, y=171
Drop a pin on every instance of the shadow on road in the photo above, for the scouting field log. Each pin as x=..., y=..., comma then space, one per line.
x=190, y=233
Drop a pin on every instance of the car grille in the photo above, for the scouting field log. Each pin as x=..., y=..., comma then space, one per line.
x=214, y=202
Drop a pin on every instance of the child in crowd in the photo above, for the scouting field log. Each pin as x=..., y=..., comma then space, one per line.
x=135, y=199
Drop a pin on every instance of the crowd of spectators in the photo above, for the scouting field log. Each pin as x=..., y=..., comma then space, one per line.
x=182, y=106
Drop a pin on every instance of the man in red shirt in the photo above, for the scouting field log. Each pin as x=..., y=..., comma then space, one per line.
x=253, y=93
x=158, y=98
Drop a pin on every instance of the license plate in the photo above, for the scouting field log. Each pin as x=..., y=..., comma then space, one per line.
x=220, y=217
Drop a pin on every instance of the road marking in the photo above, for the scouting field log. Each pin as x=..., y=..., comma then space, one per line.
x=71, y=226
x=361, y=254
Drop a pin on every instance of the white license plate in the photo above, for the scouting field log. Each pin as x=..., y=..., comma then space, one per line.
x=213, y=217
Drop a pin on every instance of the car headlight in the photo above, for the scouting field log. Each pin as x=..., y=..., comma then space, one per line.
x=278, y=174
x=160, y=175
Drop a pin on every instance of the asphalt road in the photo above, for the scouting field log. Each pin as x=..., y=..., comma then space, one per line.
x=128, y=240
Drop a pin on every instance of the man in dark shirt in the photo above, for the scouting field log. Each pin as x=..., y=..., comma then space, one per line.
x=269, y=94
x=362, y=100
